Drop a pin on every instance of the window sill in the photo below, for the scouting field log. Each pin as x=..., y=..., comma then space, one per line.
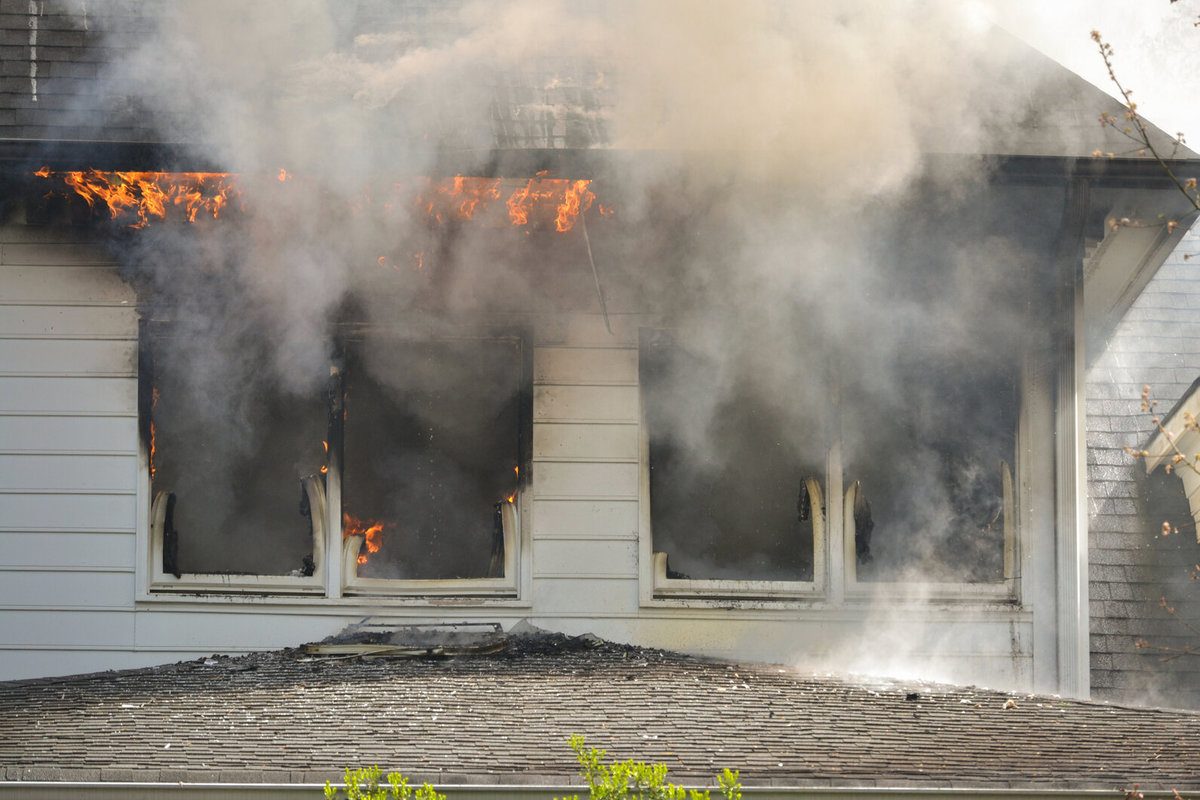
x=319, y=603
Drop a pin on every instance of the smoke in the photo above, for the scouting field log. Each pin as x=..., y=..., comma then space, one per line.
x=783, y=219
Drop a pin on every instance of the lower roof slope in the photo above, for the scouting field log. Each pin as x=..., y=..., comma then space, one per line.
x=505, y=717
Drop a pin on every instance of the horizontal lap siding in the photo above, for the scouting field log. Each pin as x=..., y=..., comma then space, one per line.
x=68, y=456
x=585, y=480
x=68, y=481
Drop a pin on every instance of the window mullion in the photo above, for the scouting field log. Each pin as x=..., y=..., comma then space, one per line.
x=333, y=485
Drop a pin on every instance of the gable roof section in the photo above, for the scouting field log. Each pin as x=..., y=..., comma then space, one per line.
x=505, y=718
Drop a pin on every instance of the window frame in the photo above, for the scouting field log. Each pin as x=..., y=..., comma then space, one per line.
x=349, y=583
x=658, y=589
x=1005, y=590
x=335, y=556
x=152, y=515
x=835, y=562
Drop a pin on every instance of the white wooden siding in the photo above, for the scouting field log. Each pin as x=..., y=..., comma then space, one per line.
x=58, y=434
x=585, y=404
x=98, y=549
x=70, y=593
x=585, y=519
x=67, y=473
x=68, y=465
x=83, y=397
x=586, y=442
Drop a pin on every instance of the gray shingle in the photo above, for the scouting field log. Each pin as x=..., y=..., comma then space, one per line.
x=505, y=718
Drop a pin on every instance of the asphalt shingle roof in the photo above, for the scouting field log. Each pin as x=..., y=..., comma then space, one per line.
x=506, y=717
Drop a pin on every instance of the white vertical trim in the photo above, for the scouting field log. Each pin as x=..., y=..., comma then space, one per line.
x=333, y=487
x=1038, y=519
x=837, y=558
x=1071, y=460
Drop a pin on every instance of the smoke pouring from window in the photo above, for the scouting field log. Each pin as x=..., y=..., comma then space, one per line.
x=782, y=216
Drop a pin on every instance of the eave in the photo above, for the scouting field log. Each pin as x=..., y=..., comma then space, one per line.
x=16, y=154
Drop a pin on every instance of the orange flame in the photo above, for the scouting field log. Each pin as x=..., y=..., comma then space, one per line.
x=457, y=198
x=371, y=530
x=512, y=498
x=522, y=201
x=150, y=194
x=577, y=198
x=325, y=467
x=153, y=430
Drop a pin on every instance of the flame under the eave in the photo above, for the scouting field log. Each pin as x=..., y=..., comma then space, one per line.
x=146, y=196
x=151, y=195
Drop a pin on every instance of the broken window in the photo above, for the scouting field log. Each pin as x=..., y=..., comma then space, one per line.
x=733, y=497
x=235, y=464
x=930, y=483
x=431, y=454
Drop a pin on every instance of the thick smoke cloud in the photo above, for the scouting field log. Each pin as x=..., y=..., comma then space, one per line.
x=792, y=233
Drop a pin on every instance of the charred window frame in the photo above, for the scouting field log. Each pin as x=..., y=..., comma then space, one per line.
x=497, y=573
x=797, y=508
x=273, y=514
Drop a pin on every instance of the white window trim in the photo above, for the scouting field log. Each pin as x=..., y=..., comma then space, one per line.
x=658, y=589
x=353, y=584
x=345, y=581
x=192, y=582
x=332, y=581
x=1005, y=589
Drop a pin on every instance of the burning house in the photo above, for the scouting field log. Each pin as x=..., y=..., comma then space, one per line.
x=402, y=312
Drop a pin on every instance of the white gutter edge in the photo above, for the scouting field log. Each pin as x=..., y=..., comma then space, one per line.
x=102, y=790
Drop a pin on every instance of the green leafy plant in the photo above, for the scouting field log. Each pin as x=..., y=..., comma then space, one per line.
x=620, y=780
x=637, y=780
x=363, y=784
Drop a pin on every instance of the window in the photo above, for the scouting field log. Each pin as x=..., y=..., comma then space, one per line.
x=237, y=496
x=930, y=494
x=416, y=447
x=733, y=485
x=431, y=453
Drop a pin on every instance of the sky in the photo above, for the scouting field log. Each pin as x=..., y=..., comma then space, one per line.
x=1156, y=43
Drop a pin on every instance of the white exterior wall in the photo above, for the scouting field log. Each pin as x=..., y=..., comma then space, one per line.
x=72, y=481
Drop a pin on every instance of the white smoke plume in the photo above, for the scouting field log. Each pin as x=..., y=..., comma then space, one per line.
x=784, y=217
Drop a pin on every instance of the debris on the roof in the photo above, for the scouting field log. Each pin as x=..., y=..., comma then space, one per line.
x=380, y=640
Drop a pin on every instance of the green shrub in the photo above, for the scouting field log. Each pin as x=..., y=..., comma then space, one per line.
x=363, y=784
x=620, y=780
x=637, y=780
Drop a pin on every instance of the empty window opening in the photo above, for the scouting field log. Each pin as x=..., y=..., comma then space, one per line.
x=431, y=455
x=931, y=483
x=234, y=468
x=730, y=491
